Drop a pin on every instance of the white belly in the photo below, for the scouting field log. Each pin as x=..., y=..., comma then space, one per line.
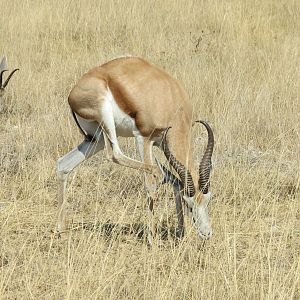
x=123, y=123
x=113, y=118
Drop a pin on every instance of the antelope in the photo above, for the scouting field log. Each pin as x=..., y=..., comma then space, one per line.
x=3, y=66
x=130, y=97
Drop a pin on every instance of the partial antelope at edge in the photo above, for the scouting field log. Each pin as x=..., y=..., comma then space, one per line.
x=4, y=83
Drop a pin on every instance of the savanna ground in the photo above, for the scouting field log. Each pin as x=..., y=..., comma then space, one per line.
x=239, y=61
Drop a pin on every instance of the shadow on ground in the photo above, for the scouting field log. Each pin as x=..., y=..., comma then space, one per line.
x=139, y=230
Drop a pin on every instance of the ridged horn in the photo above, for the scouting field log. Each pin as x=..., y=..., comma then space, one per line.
x=9, y=77
x=184, y=174
x=205, y=164
x=1, y=77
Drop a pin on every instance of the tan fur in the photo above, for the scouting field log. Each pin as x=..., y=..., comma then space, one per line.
x=149, y=95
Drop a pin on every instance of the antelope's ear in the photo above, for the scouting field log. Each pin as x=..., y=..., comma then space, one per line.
x=3, y=64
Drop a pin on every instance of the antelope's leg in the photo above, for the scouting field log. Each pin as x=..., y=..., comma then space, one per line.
x=109, y=150
x=177, y=187
x=123, y=160
x=65, y=165
x=179, y=212
x=114, y=150
x=144, y=146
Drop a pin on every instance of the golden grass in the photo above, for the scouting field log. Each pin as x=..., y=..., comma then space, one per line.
x=239, y=60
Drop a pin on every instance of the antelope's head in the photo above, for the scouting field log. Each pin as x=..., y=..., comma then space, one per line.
x=3, y=66
x=196, y=201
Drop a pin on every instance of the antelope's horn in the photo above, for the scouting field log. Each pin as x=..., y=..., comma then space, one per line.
x=9, y=77
x=184, y=174
x=1, y=77
x=205, y=164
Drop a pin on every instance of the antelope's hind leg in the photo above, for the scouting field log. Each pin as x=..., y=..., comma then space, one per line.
x=65, y=165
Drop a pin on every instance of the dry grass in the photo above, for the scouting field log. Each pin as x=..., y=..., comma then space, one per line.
x=240, y=63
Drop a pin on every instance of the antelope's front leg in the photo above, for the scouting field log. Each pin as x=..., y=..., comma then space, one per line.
x=144, y=147
x=151, y=187
x=179, y=212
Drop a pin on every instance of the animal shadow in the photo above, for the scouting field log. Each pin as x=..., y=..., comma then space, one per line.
x=140, y=230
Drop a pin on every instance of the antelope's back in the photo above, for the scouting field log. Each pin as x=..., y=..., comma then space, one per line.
x=148, y=94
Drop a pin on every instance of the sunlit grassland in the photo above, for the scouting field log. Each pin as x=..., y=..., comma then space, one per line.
x=239, y=61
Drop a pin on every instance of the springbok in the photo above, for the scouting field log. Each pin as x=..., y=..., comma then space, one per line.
x=130, y=97
x=3, y=66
